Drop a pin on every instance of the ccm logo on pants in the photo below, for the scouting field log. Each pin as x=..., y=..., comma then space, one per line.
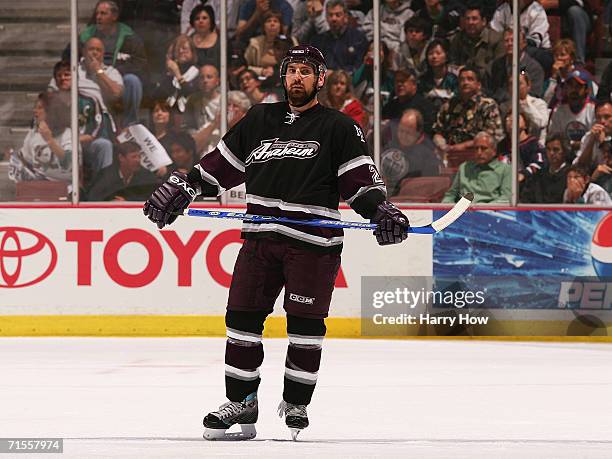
x=301, y=299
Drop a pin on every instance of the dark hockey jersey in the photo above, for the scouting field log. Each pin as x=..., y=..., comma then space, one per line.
x=297, y=166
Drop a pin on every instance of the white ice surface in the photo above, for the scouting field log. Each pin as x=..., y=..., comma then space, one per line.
x=145, y=398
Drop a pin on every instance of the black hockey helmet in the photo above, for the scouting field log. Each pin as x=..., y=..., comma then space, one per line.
x=305, y=54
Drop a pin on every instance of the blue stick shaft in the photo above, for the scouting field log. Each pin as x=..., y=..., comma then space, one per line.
x=427, y=229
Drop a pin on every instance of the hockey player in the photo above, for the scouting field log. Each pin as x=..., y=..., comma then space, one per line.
x=298, y=159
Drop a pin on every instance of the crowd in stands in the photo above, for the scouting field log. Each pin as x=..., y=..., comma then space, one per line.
x=445, y=88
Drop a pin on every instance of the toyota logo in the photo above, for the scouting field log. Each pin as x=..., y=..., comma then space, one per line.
x=26, y=257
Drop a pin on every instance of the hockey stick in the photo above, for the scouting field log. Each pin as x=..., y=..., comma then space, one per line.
x=432, y=228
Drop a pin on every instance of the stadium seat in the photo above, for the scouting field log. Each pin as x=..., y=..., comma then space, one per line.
x=41, y=190
x=423, y=189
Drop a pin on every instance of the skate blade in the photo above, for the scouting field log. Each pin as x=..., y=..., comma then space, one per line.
x=294, y=433
x=247, y=432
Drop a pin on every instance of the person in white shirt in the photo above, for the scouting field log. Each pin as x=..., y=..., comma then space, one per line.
x=580, y=189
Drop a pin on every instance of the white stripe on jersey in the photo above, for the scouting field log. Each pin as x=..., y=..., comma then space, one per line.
x=353, y=163
x=364, y=189
x=229, y=156
x=292, y=207
x=210, y=179
x=285, y=230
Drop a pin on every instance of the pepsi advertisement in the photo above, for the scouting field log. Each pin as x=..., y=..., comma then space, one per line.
x=536, y=260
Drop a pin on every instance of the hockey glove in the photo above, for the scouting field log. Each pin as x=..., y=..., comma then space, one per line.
x=169, y=200
x=392, y=224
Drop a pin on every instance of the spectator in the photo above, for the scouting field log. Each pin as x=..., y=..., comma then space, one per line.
x=261, y=55
x=203, y=108
x=443, y=15
x=123, y=50
x=125, y=179
x=602, y=175
x=236, y=65
x=181, y=76
x=605, y=88
x=363, y=78
x=532, y=156
x=438, y=84
x=250, y=17
x=338, y=94
x=534, y=22
x=251, y=86
x=590, y=154
x=205, y=36
x=502, y=69
x=162, y=123
x=182, y=152
x=466, y=114
x=576, y=116
x=46, y=153
x=564, y=65
x=62, y=80
x=413, y=51
x=534, y=108
x=409, y=153
x=238, y=105
x=578, y=22
x=308, y=20
x=407, y=96
x=99, y=86
x=488, y=178
x=547, y=187
x=231, y=6
x=580, y=189
x=342, y=45
x=476, y=44
x=393, y=15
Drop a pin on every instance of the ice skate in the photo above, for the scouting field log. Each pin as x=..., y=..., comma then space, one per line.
x=242, y=413
x=296, y=417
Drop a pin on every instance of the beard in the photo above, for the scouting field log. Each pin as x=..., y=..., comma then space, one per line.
x=298, y=96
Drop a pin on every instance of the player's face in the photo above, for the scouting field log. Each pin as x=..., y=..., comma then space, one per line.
x=301, y=81
x=63, y=80
x=603, y=116
x=484, y=151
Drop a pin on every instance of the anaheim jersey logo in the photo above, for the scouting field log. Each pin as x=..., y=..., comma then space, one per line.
x=273, y=149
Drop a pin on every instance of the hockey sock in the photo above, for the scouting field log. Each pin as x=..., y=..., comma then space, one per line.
x=303, y=358
x=243, y=353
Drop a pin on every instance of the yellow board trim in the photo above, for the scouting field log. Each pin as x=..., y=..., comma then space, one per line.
x=337, y=327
